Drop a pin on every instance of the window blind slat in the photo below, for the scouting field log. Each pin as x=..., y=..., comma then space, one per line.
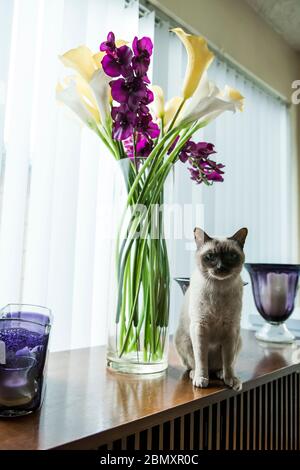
x=17, y=129
x=54, y=246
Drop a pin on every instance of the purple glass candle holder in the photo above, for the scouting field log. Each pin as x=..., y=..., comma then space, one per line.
x=274, y=289
x=24, y=337
x=184, y=283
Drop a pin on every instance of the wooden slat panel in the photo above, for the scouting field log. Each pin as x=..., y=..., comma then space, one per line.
x=241, y=411
x=277, y=405
x=268, y=414
x=181, y=433
x=149, y=439
x=209, y=428
x=281, y=414
x=291, y=408
x=201, y=430
x=234, y=423
x=271, y=415
x=248, y=420
x=227, y=424
x=137, y=441
x=286, y=413
x=218, y=425
x=161, y=437
x=254, y=419
x=265, y=391
x=123, y=443
x=259, y=417
x=297, y=411
x=192, y=427
x=172, y=434
x=298, y=408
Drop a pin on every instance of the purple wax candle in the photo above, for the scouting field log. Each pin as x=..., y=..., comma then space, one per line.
x=17, y=384
x=24, y=336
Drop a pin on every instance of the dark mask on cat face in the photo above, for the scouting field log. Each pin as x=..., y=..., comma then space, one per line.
x=220, y=258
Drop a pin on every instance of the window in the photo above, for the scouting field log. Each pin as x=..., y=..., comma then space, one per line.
x=55, y=177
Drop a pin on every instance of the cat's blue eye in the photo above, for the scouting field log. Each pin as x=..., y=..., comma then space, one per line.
x=232, y=255
x=210, y=257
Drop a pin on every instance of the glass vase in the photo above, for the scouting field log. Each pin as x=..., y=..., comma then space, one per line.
x=138, y=326
x=274, y=289
x=24, y=336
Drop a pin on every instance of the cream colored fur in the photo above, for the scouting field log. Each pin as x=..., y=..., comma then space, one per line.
x=208, y=335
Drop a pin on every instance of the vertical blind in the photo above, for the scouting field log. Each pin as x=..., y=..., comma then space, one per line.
x=56, y=178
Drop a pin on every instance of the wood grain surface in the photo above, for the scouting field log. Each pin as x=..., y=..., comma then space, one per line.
x=86, y=404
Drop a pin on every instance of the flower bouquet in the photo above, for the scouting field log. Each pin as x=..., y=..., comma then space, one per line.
x=111, y=93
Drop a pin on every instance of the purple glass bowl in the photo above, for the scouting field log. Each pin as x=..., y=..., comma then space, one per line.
x=274, y=288
x=24, y=336
x=184, y=283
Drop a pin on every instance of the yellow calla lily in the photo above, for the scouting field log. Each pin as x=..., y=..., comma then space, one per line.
x=97, y=59
x=121, y=42
x=158, y=104
x=199, y=59
x=234, y=95
x=81, y=60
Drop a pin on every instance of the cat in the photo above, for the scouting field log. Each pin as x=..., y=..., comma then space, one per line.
x=208, y=335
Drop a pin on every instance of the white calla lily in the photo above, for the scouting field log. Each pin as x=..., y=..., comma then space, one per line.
x=208, y=102
x=227, y=100
x=76, y=96
x=158, y=105
x=99, y=84
x=92, y=83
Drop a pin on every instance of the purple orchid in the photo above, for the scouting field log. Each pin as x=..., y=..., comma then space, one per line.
x=130, y=90
x=109, y=45
x=215, y=176
x=143, y=147
x=187, y=151
x=203, y=149
x=206, y=171
x=117, y=63
x=132, y=121
x=142, y=49
x=202, y=168
x=124, y=122
x=147, y=127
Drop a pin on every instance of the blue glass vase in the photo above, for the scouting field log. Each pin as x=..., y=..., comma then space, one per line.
x=24, y=337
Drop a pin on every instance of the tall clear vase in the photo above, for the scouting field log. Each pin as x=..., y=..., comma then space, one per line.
x=138, y=324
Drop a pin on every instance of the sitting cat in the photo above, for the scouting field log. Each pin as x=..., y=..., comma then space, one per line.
x=208, y=335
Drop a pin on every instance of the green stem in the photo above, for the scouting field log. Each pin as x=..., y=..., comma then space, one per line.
x=176, y=114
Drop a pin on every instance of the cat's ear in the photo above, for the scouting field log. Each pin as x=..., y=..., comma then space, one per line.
x=240, y=236
x=200, y=237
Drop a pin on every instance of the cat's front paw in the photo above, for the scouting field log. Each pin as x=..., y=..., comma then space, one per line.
x=234, y=383
x=198, y=380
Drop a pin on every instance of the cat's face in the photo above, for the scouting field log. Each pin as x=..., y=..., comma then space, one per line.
x=220, y=258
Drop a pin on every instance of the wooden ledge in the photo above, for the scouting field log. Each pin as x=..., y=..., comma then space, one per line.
x=87, y=405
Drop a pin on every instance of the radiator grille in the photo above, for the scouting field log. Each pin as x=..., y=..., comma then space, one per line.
x=263, y=418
